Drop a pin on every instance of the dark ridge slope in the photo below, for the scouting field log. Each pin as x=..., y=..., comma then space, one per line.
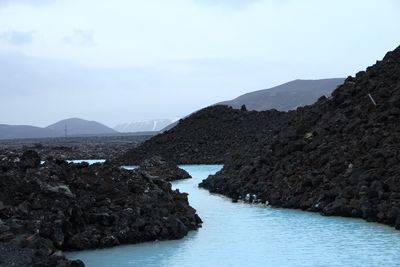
x=284, y=97
x=340, y=156
x=206, y=136
x=287, y=96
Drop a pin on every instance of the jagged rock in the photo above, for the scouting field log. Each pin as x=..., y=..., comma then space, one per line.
x=206, y=137
x=59, y=189
x=60, y=206
x=30, y=159
x=159, y=167
x=339, y=156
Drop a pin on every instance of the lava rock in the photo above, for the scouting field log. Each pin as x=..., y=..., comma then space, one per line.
x=157, y=166
x=339, y=156
x=65, y=206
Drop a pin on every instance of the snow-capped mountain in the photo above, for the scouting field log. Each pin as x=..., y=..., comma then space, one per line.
x=144, y=126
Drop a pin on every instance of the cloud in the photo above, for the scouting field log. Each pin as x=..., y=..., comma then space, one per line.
x=80, y=38
x=17, y=37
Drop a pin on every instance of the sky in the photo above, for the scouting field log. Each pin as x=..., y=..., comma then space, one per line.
x=129, y=60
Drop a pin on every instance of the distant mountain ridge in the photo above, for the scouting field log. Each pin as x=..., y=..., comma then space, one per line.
x=69, y=127
x=76, y=126
x=287, y=96
x=25, y=131
x=144, y=126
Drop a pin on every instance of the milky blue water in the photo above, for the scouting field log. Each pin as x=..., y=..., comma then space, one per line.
x=235, y=234
x=90, y=161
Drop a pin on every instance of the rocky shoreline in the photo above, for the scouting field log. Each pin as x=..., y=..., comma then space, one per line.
x=46, y=209
x=340, y=156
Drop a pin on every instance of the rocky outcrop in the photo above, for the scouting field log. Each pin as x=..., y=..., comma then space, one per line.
x=206, y=137
x=157, y=166
x=45, y=209
x=340, y=156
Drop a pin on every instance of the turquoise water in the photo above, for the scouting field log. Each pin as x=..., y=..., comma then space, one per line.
x=90, y=161
x=235, y=234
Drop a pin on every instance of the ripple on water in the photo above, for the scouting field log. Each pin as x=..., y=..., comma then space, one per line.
x=237, y=234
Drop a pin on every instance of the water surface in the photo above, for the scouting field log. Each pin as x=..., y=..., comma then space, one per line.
x=89, y=161
x=235, y=234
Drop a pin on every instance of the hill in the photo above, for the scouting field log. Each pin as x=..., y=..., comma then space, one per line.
x=206, y=136
x=287, y=96
x=284, y=97
x=24, y=131
x=339, y=156
x=76, y=126
x=210, y=134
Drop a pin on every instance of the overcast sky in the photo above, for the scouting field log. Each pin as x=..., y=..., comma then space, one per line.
x=127, y=60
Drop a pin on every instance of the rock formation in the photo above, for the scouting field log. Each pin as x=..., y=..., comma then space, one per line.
x=340, y=156
x=206, y=137
x=59, y=206
x=157, y=166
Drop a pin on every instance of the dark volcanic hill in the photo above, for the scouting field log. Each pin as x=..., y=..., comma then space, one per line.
x=286, y=96
x=206, y=136
x=76, y=126
x=340, y=156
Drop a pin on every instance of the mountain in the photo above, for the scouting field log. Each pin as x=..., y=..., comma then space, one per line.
x=144, y=126
x=210, y=134
x=24, y=131
x=76, y=126
x=286, y=96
